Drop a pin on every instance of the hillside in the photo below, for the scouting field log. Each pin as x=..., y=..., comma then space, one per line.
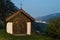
x=5, y=36
x=47, y=17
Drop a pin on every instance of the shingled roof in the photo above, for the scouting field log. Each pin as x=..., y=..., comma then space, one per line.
x=20, y=10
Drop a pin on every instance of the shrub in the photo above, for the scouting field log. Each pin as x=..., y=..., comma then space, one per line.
x=53, y=29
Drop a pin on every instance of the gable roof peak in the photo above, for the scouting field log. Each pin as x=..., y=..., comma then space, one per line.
x=20, y=10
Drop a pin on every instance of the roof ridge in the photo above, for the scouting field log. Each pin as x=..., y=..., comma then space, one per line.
x=20, y=10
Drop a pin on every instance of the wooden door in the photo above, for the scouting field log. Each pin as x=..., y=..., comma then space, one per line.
x=19, y=26
x=23, y=26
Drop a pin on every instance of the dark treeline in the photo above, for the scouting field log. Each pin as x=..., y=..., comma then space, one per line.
x=6, y=9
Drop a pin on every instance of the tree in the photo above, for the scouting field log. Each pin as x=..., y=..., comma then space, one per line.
x=6, y=9
x=54, y=28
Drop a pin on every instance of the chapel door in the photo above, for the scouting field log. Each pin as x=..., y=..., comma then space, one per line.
x=19, y=26
x=23, y=26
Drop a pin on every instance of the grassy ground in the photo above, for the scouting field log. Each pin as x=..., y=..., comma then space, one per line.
x=5, y=36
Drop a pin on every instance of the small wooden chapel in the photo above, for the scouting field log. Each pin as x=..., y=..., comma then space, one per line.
x=19, y=23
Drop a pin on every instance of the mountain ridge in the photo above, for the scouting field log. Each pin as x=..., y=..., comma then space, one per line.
x=47, y=17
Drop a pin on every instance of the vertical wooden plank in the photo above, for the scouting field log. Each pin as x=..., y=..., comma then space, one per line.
x=9, y=28
x=28, y=28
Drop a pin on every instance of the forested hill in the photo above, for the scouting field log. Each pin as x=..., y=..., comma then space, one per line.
x=6, y=8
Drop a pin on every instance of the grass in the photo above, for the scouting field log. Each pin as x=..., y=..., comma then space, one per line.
x=6, y=36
